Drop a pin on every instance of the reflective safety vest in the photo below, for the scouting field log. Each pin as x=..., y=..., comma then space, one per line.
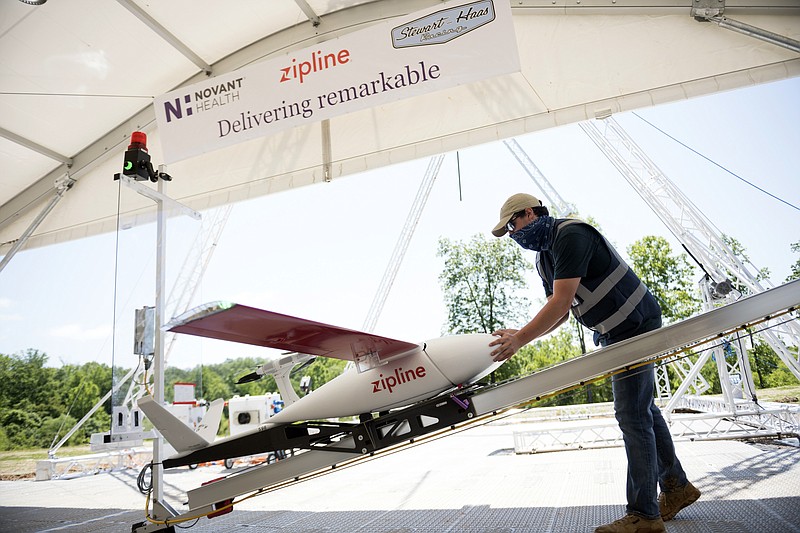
x=614, y=304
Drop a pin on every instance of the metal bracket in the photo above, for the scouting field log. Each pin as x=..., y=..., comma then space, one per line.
x=702, y=10
x=712, y=11
x=169, y=203
x=367, y=361
x=419, y=420
x=327, y=168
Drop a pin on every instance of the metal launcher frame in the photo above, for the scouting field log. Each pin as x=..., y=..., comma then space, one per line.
x=325, y=446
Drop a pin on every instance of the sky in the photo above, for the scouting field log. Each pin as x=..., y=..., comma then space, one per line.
x=320, y=252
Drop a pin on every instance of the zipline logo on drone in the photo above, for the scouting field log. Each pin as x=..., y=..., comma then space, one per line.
x=400, y=376
x=204, y=100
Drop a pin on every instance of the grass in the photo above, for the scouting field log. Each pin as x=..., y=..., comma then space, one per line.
x=21, y=464
x=784, y=394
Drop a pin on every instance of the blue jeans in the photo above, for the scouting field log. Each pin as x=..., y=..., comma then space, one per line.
x=648, y=442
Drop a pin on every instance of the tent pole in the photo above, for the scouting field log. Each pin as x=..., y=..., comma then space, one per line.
x=62, y=187
x=753, y=31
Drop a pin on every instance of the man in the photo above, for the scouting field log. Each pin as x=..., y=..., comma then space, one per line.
x=581, y=271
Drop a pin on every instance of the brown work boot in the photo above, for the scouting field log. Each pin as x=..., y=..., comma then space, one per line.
x=633, y=524
x=669, y=503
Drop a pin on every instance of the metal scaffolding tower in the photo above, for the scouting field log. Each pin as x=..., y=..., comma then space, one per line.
x=559, y=206
x=721, y=266
x=194, y=266
x=180, y=299
x=403, y=241
x=389, y=275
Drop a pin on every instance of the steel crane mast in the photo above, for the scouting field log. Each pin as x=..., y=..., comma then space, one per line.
x=560, y=207
x=194, y=266
x=704, y=243
x=179, y=301
x=672, y=206
x=403, y=241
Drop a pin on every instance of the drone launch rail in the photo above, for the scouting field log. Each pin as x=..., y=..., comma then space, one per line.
x=665, y=340
x=344, y=444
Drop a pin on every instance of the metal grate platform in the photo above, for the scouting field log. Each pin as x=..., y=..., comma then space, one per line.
x=468, y=482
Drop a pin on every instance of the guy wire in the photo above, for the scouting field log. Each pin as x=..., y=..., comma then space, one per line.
x=732, y=173
x=114, y=310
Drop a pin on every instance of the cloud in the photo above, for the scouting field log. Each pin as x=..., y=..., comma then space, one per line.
x=78, y=332
x=6, y=303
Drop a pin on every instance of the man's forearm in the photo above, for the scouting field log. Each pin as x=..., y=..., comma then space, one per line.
x=546, y=320
x=557, y=324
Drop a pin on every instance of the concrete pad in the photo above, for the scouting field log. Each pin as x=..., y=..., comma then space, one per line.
x=467, y=482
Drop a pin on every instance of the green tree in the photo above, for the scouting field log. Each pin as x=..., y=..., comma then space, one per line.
x=52, y=429
x=542, y=353
x=233, y=369
x=38, y=404
x=5, y=442
x=668, y=276
x=21, y=427
x=26, y=381
x=81, y=387
x=553, y=349
x=764, y=361
x=479, y=280
x=795, y=274
x=173, y=375
x=321, y=371
x=214, y=385
x=741, y=254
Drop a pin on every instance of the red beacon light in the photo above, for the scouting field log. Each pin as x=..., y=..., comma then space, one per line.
x=138, y=140
x=137, y=161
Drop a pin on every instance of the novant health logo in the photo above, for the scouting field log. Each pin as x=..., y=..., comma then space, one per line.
x=201, y=100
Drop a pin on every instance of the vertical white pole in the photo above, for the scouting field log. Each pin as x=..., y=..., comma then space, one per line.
x=158, y=358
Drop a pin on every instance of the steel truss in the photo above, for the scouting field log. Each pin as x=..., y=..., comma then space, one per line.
x=180, y=298
x=737, y=413
x=780, y=422
x=96, y=463
x=720, y=264
x=703, y=241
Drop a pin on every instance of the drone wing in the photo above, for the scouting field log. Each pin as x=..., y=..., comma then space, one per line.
x=239, y=323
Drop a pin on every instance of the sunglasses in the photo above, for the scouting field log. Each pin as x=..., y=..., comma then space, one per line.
x=510, y=225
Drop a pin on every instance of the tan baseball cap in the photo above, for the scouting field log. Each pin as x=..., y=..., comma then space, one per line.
x=514, y=204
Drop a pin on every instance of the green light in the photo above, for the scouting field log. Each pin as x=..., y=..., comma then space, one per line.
x=128, y=165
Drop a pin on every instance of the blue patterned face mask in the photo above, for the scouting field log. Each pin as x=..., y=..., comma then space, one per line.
x=538, y=235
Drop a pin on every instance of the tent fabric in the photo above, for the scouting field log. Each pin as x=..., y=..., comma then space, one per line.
x=77, y=78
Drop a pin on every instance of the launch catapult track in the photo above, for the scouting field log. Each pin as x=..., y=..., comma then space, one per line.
x=327, y=446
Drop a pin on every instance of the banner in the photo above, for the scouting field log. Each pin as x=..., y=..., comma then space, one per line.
x=399, y=58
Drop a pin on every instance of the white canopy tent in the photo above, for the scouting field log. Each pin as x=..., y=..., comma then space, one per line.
x=77, y=78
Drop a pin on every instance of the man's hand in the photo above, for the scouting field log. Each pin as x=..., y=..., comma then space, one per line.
x=507, y=344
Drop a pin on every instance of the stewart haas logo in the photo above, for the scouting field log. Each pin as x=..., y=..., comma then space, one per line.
x=444, y=26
